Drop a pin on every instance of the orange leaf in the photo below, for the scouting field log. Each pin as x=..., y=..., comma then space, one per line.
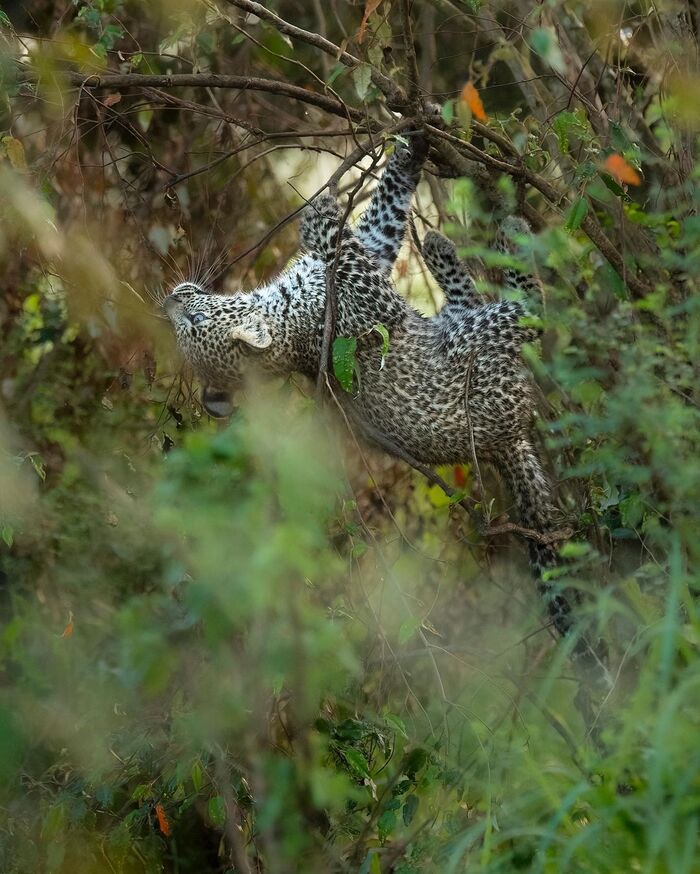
x=622, y=171
x=68, y=630
x=470, y=96
x=370, y=7
x=111, y=99
x=163, y=822
x=460, y=477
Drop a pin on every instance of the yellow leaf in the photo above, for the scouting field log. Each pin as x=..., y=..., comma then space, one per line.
x=470, y=96
x=15, y=152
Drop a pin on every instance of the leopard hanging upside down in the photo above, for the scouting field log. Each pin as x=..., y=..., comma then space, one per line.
x=451, y=384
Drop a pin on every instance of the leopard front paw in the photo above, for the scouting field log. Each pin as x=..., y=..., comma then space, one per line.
x=512, y=227
x=439, y=252
x=319, y=225
x=411, y=157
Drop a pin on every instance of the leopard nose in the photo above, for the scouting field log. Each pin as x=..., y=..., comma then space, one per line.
x=172, y=304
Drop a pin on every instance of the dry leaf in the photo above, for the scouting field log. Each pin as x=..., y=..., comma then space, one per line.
x=616, y=166
x=470, y=96
x=163, y=822
x=111, y=99
x=68, y=630
x=370, y=7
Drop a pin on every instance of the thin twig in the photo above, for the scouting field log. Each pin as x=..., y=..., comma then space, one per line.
x=391, y=91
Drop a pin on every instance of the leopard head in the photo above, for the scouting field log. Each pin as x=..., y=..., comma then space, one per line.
x=219, y=335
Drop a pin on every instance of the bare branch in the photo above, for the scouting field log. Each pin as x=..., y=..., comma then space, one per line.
x=394, y=95
x=209, y=80
x=410, y=56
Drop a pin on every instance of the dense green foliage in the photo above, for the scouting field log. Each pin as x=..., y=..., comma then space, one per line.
x=261, y=646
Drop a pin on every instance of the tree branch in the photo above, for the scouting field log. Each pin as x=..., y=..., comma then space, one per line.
x=392, y=92
x=209, y=80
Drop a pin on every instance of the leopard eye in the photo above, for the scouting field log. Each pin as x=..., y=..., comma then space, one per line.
x=198, y=318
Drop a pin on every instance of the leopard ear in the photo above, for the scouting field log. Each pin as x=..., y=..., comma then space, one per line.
x=252, y=330
x=217, y=402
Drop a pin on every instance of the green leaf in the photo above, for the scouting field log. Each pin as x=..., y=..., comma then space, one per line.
x=574, y=549
x=197, y=777
x=567, y=124
x=216, y=808
x=396, y=723
x=358, y=549
x=544, y=43
x=7, y=534
x=448, y=111
x=410, y=808
x=144, y=118
x=577, y=214
x=344, y=349
x=614, y=186
x=334, y=73
x=357, y=761
x=464, y=115
x=386, y=824
x=384, y=334
x=111, y=35
x=408, y=629
x=362, y=77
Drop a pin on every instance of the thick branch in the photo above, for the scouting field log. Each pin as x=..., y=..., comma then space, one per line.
x=211, y=80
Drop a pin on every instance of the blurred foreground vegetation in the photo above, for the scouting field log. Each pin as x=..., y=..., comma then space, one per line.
x=259, y=646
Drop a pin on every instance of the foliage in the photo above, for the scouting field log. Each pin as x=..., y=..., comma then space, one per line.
x=262, y=647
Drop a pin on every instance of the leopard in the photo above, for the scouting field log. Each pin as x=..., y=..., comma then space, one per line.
x=451, y=388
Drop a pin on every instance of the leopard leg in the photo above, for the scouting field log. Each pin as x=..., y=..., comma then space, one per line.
x=449, y=271
x=382, y=227
x=320, y=223
x=507, y=243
